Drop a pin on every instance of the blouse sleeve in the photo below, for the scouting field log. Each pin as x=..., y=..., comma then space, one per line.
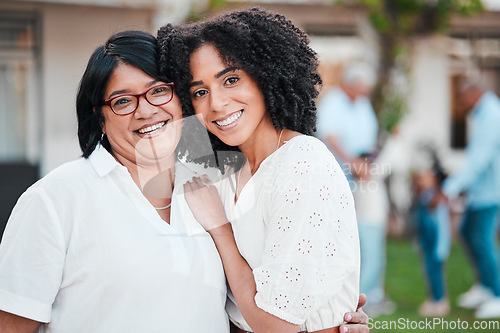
x=312, y=244
x=32, y=255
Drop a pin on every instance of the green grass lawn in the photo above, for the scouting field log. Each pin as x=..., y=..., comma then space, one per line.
x=406, y=286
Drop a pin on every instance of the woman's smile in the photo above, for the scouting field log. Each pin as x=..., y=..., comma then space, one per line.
x=225, y=123
x=152, y=129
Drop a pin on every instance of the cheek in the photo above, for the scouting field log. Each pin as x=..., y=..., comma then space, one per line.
x=200, y=113
x=116, y=125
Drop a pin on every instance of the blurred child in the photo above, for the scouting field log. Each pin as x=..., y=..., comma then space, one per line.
x=434, y=236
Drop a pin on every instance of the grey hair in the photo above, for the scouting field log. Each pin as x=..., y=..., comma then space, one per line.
x=359, y=71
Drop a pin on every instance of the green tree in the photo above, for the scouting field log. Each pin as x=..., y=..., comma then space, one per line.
x=397, y=22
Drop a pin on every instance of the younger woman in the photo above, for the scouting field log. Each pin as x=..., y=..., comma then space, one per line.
x=291, y=252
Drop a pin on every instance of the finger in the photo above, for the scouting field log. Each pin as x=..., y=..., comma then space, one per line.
x=358, y=317
x=206, y=180
x=197, y=181
x=187, y=187
x=354, y=328
x=361, y=301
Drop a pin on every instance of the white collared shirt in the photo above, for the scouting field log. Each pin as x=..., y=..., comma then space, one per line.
x=85, y=251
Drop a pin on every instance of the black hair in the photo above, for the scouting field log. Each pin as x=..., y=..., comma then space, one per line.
x=136, y=48
x=274, y=52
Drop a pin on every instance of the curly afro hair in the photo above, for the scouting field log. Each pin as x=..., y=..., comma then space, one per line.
x=274, y=52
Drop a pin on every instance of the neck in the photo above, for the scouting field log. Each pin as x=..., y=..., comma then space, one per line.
x=155, y=178
x=260, y=146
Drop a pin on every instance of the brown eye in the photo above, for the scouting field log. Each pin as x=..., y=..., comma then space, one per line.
x=200, y=93
x=121, y=102
x=159, y=90
x=232, y=80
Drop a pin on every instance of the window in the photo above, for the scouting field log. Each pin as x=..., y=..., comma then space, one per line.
x=19, y=108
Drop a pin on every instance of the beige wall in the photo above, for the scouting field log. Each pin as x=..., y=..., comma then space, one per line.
x=68, y=35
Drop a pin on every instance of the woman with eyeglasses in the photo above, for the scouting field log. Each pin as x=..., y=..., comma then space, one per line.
x=284, y=224
x=103, y=244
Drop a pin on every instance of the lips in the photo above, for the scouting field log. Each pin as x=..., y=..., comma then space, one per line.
x=152, y=128
x=229, y=120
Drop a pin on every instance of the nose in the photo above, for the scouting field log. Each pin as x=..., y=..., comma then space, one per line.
x=144, y=109
x=218, y=100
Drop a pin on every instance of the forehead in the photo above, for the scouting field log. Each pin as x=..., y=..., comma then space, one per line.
x=127, y=77
x=207, y=56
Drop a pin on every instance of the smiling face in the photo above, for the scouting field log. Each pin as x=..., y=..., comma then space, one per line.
x=226, y=99
x=151, y=132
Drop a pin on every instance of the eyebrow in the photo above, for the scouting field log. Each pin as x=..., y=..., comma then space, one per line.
x=218, y=75
x=126, y=91
x=229, y=69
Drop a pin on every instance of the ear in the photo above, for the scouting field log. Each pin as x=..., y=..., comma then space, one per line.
x=101, y=118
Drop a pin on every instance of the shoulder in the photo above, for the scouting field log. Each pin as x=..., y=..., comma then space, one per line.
x=307, y=157
x=62, y=184
x=73, y=173
x=57, y=192
x=491, y=106
x=305, y=147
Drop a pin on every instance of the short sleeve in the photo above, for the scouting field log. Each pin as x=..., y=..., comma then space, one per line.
x=32, y=254
x=312, y=244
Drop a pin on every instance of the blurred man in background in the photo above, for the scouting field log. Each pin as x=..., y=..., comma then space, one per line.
x=479, y=178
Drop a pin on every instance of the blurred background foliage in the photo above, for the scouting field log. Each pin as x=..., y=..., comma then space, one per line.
x=398, y=23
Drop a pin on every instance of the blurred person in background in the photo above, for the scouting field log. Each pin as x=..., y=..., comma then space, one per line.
x=348, y=126
x=479, y=178
x=434, y=233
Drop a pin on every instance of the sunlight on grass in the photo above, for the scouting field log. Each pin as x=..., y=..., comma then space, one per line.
x=406, y=286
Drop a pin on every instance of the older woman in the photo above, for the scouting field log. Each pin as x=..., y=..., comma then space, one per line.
x=96, y=246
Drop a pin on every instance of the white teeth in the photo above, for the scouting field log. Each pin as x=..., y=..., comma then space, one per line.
x=229, y=120
x=151, y=128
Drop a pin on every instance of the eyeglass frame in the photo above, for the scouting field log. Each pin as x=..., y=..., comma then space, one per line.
x=138, y=96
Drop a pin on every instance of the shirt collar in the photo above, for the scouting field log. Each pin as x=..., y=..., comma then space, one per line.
x=102, y=161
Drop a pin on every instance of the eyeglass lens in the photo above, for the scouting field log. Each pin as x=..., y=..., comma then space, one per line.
x=156, y=96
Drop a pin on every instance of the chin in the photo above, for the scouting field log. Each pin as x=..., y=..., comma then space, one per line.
x=154, y=150
x=231, y=141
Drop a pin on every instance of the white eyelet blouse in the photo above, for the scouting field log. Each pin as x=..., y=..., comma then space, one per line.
x=295, y=224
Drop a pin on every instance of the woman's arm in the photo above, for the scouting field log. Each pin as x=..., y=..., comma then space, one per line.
x=242, y=284
x=10, y=323
x=205, y=203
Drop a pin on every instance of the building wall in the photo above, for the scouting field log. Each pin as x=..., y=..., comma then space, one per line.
x=66, y=36
x=69, y=36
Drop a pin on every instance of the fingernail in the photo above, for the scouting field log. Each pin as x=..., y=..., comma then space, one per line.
x=345, y=329
x=349, y=318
